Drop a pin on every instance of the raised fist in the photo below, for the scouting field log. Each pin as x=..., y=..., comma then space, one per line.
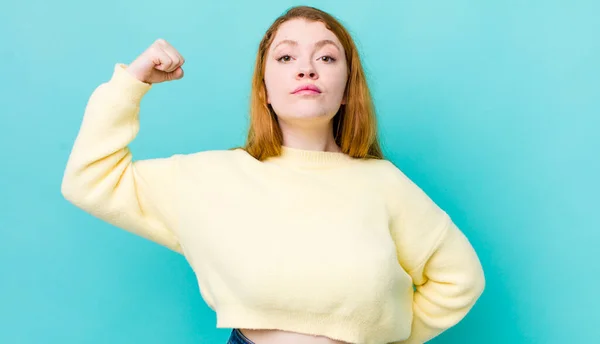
x=159, y=63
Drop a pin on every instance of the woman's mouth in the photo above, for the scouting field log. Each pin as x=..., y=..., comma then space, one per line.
x=307, y=89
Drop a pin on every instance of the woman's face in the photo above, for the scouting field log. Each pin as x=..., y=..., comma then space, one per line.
x=305, y=54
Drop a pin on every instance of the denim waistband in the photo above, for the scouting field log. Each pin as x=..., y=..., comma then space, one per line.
x=237, y=337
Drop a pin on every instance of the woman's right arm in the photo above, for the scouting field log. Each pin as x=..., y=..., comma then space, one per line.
x=101, y=176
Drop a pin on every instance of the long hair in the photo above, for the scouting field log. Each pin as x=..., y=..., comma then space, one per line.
x=354, y=126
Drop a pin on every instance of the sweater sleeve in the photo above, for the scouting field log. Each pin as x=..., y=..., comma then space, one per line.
x=101, y=177
x=446, y=272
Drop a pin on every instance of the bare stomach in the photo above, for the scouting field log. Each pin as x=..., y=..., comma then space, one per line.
x=284, y=337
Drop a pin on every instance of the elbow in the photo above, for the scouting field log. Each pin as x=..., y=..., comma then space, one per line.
x=68, y=190
x=68, y=185
x=479, y=280
x=71, y=190
x=473, y=276
x=477, y=283
x=469, y=284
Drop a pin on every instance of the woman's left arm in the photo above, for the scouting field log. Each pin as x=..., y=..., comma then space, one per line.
x=444, y=266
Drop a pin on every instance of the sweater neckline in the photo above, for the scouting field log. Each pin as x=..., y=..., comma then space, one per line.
x=311, y=158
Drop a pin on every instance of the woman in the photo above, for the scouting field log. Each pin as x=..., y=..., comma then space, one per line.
x=305, y=235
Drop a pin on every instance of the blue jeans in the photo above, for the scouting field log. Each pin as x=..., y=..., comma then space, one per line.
x=238, y=337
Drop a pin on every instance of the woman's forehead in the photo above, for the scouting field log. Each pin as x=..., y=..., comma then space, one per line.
x=303, y=32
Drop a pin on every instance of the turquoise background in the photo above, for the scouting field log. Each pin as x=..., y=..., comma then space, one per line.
x=491, y=107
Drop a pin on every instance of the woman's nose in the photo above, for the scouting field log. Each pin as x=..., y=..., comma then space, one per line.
x=307, y=71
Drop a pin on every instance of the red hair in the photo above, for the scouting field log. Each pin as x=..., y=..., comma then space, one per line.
x=354, y=126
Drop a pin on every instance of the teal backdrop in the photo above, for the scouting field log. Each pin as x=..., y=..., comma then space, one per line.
x=491, y=107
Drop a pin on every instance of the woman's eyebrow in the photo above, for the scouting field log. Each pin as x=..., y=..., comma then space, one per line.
x=318, y=45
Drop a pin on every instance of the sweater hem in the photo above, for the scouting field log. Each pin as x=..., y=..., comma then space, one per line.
x=333, y=326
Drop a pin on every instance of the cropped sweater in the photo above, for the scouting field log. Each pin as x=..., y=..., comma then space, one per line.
x=309, y=241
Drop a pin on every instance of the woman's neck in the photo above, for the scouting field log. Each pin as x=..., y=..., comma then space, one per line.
x=309, y=137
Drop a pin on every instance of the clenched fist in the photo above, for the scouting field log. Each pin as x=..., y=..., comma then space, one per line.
x=159, y=63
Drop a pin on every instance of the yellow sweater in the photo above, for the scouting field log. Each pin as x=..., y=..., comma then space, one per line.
x=310, y=242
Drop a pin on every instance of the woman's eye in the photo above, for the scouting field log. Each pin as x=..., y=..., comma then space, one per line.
x=284, y=58
x=326, y=59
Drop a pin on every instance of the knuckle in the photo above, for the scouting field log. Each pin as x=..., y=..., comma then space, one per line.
x=155, y=50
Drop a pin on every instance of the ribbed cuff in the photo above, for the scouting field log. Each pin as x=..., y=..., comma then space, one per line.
x=132, y=87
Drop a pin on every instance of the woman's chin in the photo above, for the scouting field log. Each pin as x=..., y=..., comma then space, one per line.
x=318, y=116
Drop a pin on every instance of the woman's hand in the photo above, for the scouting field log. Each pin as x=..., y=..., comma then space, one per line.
x=159, y=63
